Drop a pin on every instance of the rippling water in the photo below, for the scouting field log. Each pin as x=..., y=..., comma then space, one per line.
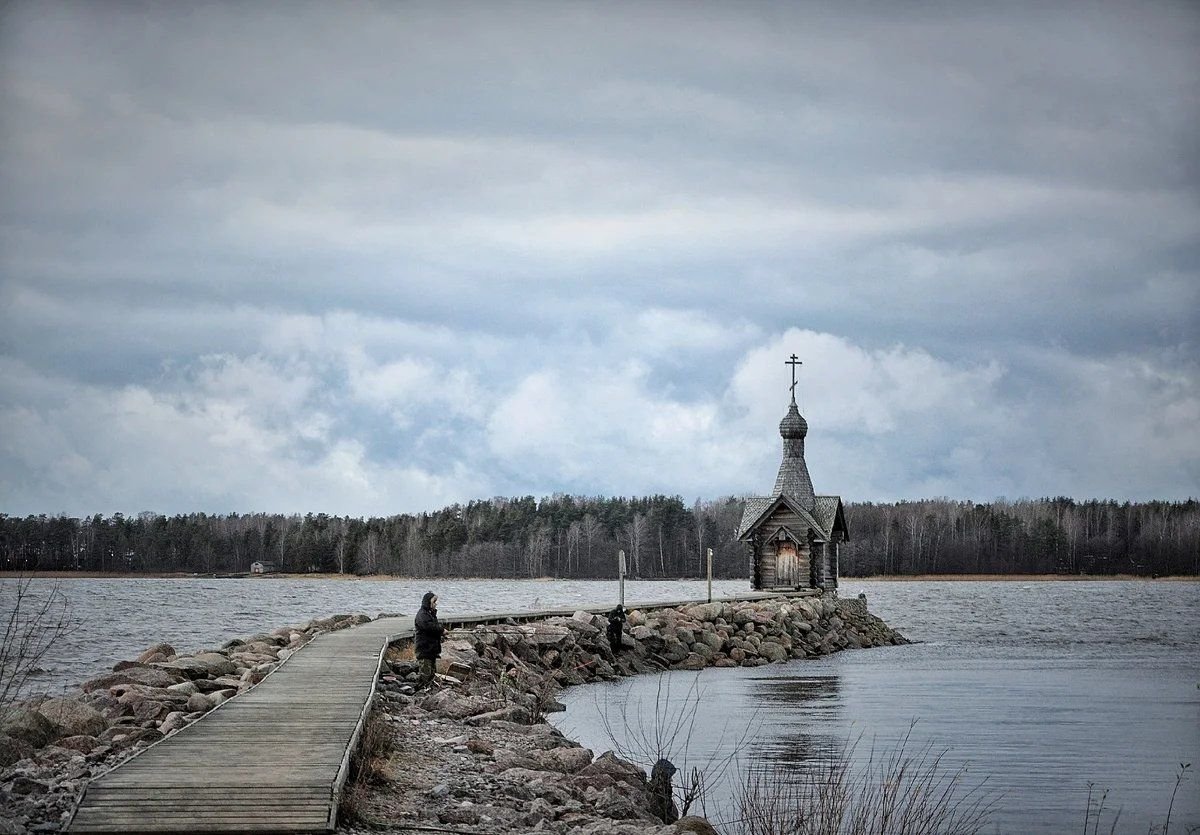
x=115, y=619
x=1040, y=687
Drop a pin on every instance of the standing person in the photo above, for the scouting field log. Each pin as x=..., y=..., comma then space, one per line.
x=616, y=622
x=428, y=638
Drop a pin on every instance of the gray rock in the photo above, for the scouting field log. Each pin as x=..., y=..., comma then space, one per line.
x=72, y=718
x=218, y=664
x=547, y=635
x=564, y=760
x=704, y=611
x=82, y=743
x=133, y=693
x=29, y=726
x=539, y=810
x=773, y=652
x=27, y=785
x=154, y=676
x=694, y=826
x=674, y=651
x=440, y=790
x=459, y=815
x=12, y=750
x=165, y=650
x=513, y=713
x=173, y=721
x=188, y=667
x=456, y=705
x=198, y=702
x=692, y=661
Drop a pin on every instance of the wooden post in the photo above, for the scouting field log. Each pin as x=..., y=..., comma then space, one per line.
x=621, y=575
x=710, y=575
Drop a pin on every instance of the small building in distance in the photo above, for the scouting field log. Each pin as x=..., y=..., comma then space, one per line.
x=793, y=534
x=263, y=568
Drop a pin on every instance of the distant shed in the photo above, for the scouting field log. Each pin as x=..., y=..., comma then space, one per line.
x=263, y=568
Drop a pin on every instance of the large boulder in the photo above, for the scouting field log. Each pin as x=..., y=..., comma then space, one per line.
x=547, y=635
x=693, y=825
x=456, y=705
x=149, y=676
x=198, y=703
x=28, y=726
x=218, y=664
x=704, y=611
x=772, y=651
x=692, y=661
x=82, y=744
x=674, y=651
x=163, y=650
x=13, y=749
x=713, y=640
x=72, y=718
x=565, y=760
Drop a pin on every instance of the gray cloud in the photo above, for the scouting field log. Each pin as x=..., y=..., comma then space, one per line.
x=394, y=256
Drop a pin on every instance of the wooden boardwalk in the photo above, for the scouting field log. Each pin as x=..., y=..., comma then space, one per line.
x=274, y=758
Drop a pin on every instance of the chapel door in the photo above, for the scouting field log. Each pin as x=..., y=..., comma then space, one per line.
x=785, y=563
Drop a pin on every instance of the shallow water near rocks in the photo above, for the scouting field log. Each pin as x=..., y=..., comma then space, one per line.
x=1036, y=687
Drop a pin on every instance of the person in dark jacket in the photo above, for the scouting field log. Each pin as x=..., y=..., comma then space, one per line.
x=616, y=624
x=428, y=638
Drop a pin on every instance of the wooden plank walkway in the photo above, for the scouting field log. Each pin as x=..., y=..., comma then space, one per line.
x=272, y=759
x=269, y=760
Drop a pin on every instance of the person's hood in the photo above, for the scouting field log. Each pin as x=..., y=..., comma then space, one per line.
x=427, y=600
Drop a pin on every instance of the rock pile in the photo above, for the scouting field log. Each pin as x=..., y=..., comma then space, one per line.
x=51, y=747
x=575, y=650
x=479, y=741
x=500, y=767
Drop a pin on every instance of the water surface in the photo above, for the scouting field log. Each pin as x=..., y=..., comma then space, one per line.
x=1038, y=687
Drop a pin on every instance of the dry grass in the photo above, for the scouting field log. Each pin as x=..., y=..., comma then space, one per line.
x=897, y=792
x=368, y=765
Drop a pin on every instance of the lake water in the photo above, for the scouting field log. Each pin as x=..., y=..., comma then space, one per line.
x=115, y=619
x=1039, y=686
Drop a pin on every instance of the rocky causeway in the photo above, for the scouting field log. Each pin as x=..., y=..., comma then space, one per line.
x=472, y=754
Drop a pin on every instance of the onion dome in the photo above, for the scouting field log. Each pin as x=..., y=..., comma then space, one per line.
x=793, y=425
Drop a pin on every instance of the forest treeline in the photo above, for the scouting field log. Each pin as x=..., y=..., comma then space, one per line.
x=578, y=537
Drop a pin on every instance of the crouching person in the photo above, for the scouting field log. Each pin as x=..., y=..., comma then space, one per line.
x=428, y=638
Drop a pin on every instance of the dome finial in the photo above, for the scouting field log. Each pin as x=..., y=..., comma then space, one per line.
x=793, y=362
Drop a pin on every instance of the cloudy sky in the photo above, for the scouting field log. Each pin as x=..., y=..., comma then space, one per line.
x=377, y=258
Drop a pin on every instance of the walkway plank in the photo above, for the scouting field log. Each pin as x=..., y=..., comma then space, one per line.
x=272, y=759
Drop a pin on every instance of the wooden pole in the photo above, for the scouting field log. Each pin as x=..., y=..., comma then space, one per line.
x=710, y=575
x=621, y=575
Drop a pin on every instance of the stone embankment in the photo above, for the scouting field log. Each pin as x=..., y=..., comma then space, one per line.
x=477, y=754
x=51, y=747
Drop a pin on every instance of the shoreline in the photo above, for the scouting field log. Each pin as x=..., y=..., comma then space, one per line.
x=386, y=578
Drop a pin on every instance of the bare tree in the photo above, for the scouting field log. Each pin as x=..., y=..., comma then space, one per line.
x=635, y=535
x=646, y=733
x=34, y=618
x=369, y=553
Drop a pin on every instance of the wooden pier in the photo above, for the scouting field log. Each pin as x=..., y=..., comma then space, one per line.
x=272, y=759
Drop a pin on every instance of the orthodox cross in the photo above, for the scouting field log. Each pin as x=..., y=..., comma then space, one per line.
x=793, y=362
